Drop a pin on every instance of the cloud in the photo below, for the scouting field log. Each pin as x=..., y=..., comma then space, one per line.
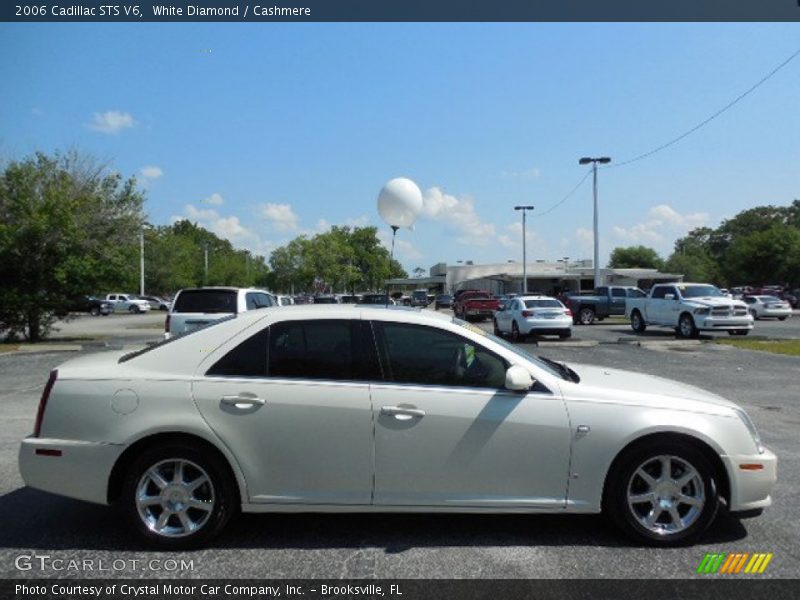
x=281, y=216
x=663, y=223
x=403, y=249
x=215, y=199
x=229, y=227
x=111, y=122
x=532, y=173
x=459, y=215
x=151, y=172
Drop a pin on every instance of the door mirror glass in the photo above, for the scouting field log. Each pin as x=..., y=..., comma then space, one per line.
x=669, y=296
x=518, y=379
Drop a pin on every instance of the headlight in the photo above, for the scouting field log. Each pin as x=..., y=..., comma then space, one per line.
x=702, y=311
x=751, y=428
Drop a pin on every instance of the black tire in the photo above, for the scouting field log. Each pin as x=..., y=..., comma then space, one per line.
x=739, y=331
x=637, y=322
x=686, y=327
x=586, y=315
x=781, y=318
x=754, y=314
x=94, y=311
x=496, y=329
x=133, y=309
x=565, y=334
x=516, y=336
x=653, y=521
x=218, y=492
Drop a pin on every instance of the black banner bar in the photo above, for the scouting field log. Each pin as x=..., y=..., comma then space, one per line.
x=707, y=588
x=260, y=11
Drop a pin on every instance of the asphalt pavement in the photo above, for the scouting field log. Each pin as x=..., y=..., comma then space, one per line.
x=417, y=546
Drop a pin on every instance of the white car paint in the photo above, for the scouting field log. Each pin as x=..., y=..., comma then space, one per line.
x=768, y=306
x=127, y=303
x=537, y=315
x=372, y=445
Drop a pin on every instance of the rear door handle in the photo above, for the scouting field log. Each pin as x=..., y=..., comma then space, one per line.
x=402, y=413
x=243, y=400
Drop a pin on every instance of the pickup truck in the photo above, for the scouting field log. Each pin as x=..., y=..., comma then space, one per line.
x=689, y=308
x=475, y=305
x=127, y=303
x=605, y=301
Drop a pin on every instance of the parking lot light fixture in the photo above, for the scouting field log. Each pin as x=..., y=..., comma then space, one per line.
x=603, y=160
x=524, y=209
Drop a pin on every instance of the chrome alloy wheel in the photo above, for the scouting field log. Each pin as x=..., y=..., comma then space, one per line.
x=175, y=498
x=666, y=494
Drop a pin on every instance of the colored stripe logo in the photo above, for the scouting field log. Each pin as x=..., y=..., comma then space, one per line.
x=734, y=563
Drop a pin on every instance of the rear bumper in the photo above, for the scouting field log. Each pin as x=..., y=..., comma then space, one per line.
x=82, y=470
x=546, y=326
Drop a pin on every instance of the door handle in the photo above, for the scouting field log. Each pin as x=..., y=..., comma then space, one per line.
x=402, y=413
x=243, y=400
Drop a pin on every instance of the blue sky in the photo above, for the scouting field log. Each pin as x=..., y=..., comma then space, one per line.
x=262, y=132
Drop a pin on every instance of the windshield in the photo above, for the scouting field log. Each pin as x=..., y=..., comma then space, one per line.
x=515, y=349
x=700, y=291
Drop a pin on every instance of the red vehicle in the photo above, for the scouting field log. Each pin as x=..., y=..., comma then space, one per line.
x=475, y=305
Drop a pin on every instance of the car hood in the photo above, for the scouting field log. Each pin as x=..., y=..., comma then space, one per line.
x=628, y=387
x=712, y=301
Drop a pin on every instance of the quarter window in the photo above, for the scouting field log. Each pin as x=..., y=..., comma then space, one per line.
x=428, y=356
x=248, y=359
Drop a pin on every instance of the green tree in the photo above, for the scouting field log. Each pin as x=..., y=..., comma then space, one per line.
x=65, y=230
x=634, y=257
x=767, y=256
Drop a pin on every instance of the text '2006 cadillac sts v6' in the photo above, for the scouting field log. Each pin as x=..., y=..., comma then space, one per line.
x=361, y=409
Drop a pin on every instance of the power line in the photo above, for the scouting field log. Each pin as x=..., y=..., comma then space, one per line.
x=709, y=119
x=568, y=196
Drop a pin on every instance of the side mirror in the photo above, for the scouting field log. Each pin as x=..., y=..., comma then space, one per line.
x=669, y=296
x=518, y=379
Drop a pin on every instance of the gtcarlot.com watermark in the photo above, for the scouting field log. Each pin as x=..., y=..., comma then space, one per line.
x=48, y=563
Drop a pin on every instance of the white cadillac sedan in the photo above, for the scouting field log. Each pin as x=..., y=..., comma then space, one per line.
x=361, y=409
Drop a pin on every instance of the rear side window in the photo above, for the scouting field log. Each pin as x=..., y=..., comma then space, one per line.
x=248, y=359
x=332, y=349
x=256, y=300
x=206, y=301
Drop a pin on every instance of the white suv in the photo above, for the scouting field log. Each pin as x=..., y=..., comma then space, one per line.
x=197, y=307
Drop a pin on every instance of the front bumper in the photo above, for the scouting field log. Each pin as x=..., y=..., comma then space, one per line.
x=82, y=470
x=723, y=323
x=751, y=489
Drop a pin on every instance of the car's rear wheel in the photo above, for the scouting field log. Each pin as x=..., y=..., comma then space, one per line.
x=497, y=331
x=637, y=322
x=781, y=318
x=686, y=326
x=565, y=334
x=178, y=496
x=516, y=336
x=662, y=494
x=133, y=309
x=586, y=316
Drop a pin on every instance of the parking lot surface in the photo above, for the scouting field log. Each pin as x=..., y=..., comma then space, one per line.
x=420, y=546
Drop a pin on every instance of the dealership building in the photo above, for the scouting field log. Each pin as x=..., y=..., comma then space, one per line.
x=543, y=277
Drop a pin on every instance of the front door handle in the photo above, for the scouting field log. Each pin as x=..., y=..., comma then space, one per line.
x=243, y=400
x=402, y=413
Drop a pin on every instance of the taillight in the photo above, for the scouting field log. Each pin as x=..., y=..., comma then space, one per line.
x=166, y=324
x=37, y=426
x=568, y=312
x=527, y=313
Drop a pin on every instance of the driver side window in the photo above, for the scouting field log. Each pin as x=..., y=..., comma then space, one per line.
x=417, y=354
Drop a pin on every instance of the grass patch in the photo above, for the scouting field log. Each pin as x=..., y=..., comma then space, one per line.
x=790, y=347
x=8, y=348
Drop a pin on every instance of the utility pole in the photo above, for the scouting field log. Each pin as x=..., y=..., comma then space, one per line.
x=141, y=261
x=524, y=210
x=585, y=161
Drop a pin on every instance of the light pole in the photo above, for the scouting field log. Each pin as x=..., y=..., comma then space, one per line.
x=205, y=263
x=585, y=161
x=141, y=261
x=524, y=210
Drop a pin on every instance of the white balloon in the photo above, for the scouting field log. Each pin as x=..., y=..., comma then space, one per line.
x=400, y=202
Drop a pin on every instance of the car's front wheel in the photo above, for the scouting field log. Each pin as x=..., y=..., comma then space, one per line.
x=686, y=326
x=178, y=496
x=133, y=309
x=637, y=322
x=496, y=329
x=662, y=494
x=94, y=311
